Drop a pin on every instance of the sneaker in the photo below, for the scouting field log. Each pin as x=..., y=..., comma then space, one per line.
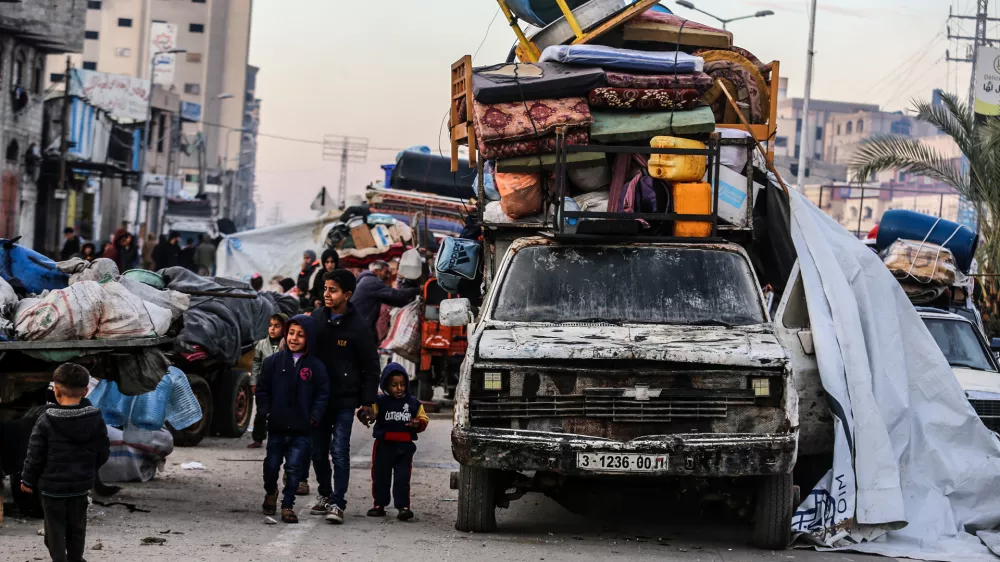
x=404, y=514
x=303, y=489
x=288, y=515
x=336, y=515
x=270, y=505
x=255, y=445
x=322, y=506
x=376, y=512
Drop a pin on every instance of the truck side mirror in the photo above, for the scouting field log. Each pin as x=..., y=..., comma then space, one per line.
x=455, y=312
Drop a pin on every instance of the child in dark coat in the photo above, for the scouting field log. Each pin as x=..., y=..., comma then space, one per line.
x=67, y=447
x=292, y=392
x=399, y=417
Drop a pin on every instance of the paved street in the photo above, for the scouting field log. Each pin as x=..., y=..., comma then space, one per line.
x=214, y=515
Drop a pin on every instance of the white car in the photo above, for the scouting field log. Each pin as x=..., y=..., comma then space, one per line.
x=971, y=359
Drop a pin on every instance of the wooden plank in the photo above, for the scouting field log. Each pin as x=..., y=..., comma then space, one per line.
x=87, y=345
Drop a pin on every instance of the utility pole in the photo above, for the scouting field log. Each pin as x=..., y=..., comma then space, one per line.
x=64, y=134
x=347, y=150
x=979, y=38
x=805, y=138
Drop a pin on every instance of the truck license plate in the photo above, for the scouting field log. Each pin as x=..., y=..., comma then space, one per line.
x=615, y=462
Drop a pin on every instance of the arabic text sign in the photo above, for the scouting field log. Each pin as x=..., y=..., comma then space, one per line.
x=988, y=81
x=163, y=37
x=124, y=97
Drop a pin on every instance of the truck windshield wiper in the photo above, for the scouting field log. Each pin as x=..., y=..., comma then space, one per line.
x=706, y=322
x=962, y=365
x=597, y=321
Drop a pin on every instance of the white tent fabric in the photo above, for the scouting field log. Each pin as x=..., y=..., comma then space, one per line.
x=915, y=470
x=270, y=251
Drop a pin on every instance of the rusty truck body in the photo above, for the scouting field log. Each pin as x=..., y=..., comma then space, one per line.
x=594, y=360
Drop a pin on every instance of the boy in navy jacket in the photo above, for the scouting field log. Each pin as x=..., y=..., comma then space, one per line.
x=399, y=417
x=292, y=392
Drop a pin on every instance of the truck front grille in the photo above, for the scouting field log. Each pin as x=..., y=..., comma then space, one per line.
x=614, y=404
x=989, y=412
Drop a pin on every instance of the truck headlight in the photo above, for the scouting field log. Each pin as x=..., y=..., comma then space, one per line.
x=761, y=387
x=492, y=380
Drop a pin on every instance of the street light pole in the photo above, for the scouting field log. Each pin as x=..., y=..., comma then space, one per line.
x=724, y=22
x=147, y=129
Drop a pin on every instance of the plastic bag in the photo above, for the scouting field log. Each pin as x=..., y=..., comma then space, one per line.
x=922, y=261
x=136, y=461
x=115, y=407
x=520, y=194
x=149, y=410
x=404, y=335
x=183, y=409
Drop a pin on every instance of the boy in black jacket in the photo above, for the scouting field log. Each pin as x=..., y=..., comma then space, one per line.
x=399, y=417
x=67, y=447
x=292, y=392
x=347, y=349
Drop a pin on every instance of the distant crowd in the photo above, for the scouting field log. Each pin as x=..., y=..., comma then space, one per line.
x=153, y=254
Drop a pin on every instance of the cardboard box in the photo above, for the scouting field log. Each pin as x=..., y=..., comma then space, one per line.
x=382, y=238
x=733, y=196
x=362, y=237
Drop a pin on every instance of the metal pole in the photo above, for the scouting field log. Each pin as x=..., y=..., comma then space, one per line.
x=980, y=36
x=821, y=197
x=804, y=141
x=63, y=139
x=145, y=144
x=861, y=209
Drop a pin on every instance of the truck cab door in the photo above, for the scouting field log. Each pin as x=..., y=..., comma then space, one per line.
x=792, y=328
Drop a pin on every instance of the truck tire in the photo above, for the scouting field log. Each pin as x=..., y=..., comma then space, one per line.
x=773, y=522
x=192, y=435
x=233, y=404
x=476, y=500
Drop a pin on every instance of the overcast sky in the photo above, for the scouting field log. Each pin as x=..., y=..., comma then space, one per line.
x=345, y=67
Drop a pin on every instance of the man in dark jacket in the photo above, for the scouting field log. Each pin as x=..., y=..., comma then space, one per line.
x=310, y=270
x=347, y=349
x=67, y=447
x=71, y=246
x=372, y=292
x=292, y=392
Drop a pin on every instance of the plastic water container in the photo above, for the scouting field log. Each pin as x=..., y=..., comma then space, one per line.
x=677, y=167
x=149, y=410
x=183, y=410
x=907, y=225
x=692, y=199
x=115, y=407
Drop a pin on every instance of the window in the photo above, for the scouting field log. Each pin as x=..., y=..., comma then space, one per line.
x=89, y=65
x=850, y=127
x=196, y=28
x=868, y=212
x=56, y=78
x=854, y=211
x=819, y=133
x=94, y=5
x=13, y=151
x=193, y=89
x=36, y=76
x=781, y=142
x=198, y=1
x=901, y=127
x=798, y=125
x=161, y=132
x=91, y=35
x=861, y=126
x=159, y=21
x=194, y=57
x=124, y=22
x=18, y=74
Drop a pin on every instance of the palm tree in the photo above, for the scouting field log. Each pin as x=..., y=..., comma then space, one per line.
x=978, y=183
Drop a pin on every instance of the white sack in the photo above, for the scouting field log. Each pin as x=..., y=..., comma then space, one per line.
x=136, y=461
x=925, y=468
x=101, y=270
x=89, y=310
x=174, y=301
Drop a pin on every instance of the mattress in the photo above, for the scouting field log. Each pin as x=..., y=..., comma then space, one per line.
x=698, y=80
x=515, y=82
x=525, y=147
x=528, y=120
x=624, y=59
x=616, y=127
x=657, y=27
x=643, y=99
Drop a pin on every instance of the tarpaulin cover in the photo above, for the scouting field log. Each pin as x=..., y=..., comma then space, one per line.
x=216, y=325
x=915, y=471
x=432, y=174
x=510, y=82
x=275, y=250
x=624, y=59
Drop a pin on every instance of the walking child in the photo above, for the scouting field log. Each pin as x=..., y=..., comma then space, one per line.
x=67, y=446
x=262, y=350
x=292, y=392
x=399, y=417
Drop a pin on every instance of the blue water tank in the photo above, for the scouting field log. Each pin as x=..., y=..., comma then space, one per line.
x=36, y=272
x=908, y=225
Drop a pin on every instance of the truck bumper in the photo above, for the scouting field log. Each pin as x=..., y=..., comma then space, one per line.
x=704, y=455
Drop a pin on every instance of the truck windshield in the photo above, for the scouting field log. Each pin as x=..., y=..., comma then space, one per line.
x=960, y=344
x=655, y=285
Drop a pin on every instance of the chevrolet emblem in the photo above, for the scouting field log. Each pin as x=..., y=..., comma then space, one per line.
x=642, y=393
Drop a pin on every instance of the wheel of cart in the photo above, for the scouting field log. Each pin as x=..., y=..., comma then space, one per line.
x=192, y=435
x=233, y=399
x=773, y=515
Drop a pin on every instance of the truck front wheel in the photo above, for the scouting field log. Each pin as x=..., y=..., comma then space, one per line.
x=476, y=500
x=773, y=522
x=233, y=403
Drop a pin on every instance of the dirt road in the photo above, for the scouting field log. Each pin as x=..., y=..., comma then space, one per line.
x=214, y=515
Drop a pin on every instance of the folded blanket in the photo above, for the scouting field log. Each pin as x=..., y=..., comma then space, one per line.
x=643, y=98
x=699, y=81
x=526, y=147
x=529, y=120
x=664, y=62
